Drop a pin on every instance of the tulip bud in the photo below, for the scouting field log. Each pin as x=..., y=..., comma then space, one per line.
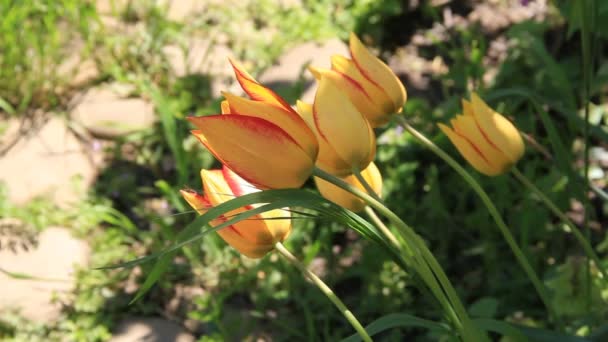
x=252, y=237
x=370, y=84
x=344, y=198
x=346, y=139
x=486, y=139
x=263, y=139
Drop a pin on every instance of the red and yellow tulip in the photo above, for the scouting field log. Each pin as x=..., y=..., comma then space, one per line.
x=346, y=139
x=344, y=198
x=253, y=237
x=262, y=139
x=486, y=139
x=370, y=84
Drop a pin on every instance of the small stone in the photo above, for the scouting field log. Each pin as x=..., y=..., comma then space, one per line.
x=46, y=161
x=105, y=112
x=52, y=262
x=150, y=330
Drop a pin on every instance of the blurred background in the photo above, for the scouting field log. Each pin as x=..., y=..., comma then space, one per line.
x=94, y=148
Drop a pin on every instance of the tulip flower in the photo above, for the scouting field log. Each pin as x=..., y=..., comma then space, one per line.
x=486, y=139
x=344, y=198
x=370, y=84
x=346, y=139
x=253, y=237
x=262, y=139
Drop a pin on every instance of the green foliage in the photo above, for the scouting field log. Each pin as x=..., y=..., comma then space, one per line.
x=34, y=35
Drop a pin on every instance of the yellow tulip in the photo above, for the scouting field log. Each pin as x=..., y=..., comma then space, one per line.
x=486, y=139
x=370, y=84
x=252, y=237
x=346, y=139
x=263, y=139
x=344, y=198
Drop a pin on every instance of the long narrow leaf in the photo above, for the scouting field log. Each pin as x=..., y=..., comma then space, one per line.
x=396, y=321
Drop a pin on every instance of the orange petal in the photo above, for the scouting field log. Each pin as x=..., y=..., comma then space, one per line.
x=288, y=120
x=373, y=69
x=257, y=150
x=255, y=90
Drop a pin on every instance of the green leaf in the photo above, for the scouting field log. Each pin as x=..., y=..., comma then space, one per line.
x=398, y=320
x=484, y=307
x=522, y=333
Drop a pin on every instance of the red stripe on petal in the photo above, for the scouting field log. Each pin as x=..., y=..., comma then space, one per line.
x=474, y=147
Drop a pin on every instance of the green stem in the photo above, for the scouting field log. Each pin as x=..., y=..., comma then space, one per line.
x=366, y=185
x=502, y=226
x=327, y=291
x=589, y=251
x=382, y=227
x=464, y=324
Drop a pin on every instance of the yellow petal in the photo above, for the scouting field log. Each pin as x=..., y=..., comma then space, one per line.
x=327, y=159
x=340, y=123
x=225, y=107
x=373, y=112
x=346, y=199
x=289, y=121
x=466, y=127
x=500, y=131
x=257, y=150
x=316, y=72
x=468, y=151
x=377, y=72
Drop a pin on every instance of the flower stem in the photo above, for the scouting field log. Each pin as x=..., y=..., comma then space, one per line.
x=327, y=291
x=562, y=216
x=381, y=226
x=502, y=226
x=423, y=257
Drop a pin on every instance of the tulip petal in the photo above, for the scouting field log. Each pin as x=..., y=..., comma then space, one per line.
x=327, y=159
x=217, y=190
x=467, y=127
x=255, y=90
x=197, y=201
x=340, y=123
x=345, y=199
x=468, y=151
x=237, y=184
x=229, y=234
x=500, y=131
x=248, y=249
x=257, y=150
x=357, y=95
x=280, y=229
x=289, y=121
x=377, y=95
x=225, y=107
x=373, y=69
